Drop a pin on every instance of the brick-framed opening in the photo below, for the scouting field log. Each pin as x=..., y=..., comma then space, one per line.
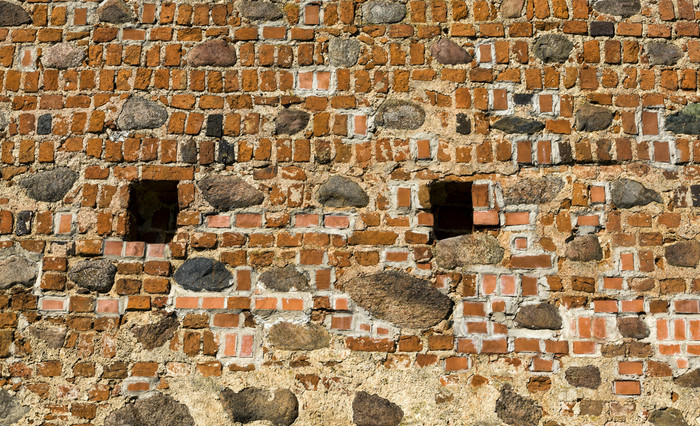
x=152, y=211
x=452, y=208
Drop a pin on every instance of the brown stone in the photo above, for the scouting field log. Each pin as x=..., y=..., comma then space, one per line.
x=297, y=337
x=217, y=53
x=373, y=410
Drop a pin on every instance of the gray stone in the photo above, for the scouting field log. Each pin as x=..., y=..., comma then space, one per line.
x=516, y=410
x=297, y=337
x=512, y=8
x=684, y=253
x=513, y=124
x=203, y=274
x=216, y=53
x=464, y=124
x=227, y=152
x=601, y=29
x=23, y=225
x=280, y=407
x=291, y=121
x=11, y=411
x=400, y=298
x=62, y=56
x=53, y=337
x=215, y=125
x=663, y=53
x=583, y=377
x=539, y=316
x=632, y=327
x=343, y=52
x=287, y=278
x=43, y=125
x=592, y=118
x=340, y=191
x=16, y=270
x=229, y=192
x=94, y=275
x=115, y=12
x=139, y=113
x=691, y=379
x=260, y=10
x=585, y=248
x=534, y=190
x=157, y=410
x=188, y=151
x=383, y=12
x=628, y=193
x=50, y=185
x=4, y=121
x=466, y=250
x=373, y=410
x=155, y=334
x=447, y=52
x=553, y=48
x=624, y=8
x=686, y=121
x=399, y=114
x=667, y=417
x=13, y=15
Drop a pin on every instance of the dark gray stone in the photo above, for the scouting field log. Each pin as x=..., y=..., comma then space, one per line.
x=227, y=152
x=203, y=274
x=23, y=225
x=534, y=190
x=340, y=191
x=624, y=8
x=592, y=118
x=62, y=56
x=538, y=317
x=94, y=275
x=512, y=124
x=215, y=125
x=400, y=298
x=685, y=254
x=522, y=98
x=291, y=121
x=50, y=185
x=383, y=12
x=695, y=195
x=516, y=410
x=663, y=53
x=4, y=121
x=632, y=327
x=155, y=334
x=16, y=270
x=139, y=113
x=553, y=48
x=215, y=53
x=260, y=10
x=686, y=121
x=157, y=410
x=667, y=417
x=373, y=410
x=280, y=407
x=43, y=126
x=691, y=379
x=585, y=248
x=628, y=193
x=13, y=15
x=447, y=52
x=467, y=250
x=464, y=124
x=229, y=192
x=399, y=114
x=343, y=52
x=601, y=29
x=11, y=411
x=115, y=12
x=287, y=278
x=188, y=151
x=583, y=377
x=298, y=337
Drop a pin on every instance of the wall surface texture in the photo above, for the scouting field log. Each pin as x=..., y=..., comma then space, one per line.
x=441, y=212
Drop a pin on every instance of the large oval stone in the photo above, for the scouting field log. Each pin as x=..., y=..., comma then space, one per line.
x=287, y=278
x=290, y=336
x=534, y=190
x=115, y=12
x=553, y=48
x=685, y=254
x=516, y=410
x=373, y=410
x=513, y=124
x=583, y=377
x=685, y=121
x=343, y=52
x=291, y=121
x=466, y=250
x=624, y=8
x=203, y=274
x=626, y=193
x=157, y=410
x=585, y=248
x=217, y=53
x=400, y=114
x=339, y=191
x=50, y=185
x=260, y=10
x=447, y=52
x=229, y=192
x=400, y=298
x=539, y=316
x=94, y=275
x=13, y=15
x=663, y=53
x=17, y=270
x=62, y=56
x=592, y=118
x=280, y=407
x=139, y=113
x=383, y=12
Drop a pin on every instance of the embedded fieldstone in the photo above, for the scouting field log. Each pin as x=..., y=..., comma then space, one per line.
x=632, y=327
x=291, y=121
x=464, y=124
x=383, y=12
x=43, y=124
x=663, y=53
x=553, y=48
x=216, y=53
x=13, y=15
x=11, y=411
x=298, y=337
x=469, y=249
x=585, y=248
x=691, y=379
x=157, y=410
x=284, y=279
x=229, y=192
x=53, y=337
x=155, y=334
x=23, y=224
x=523, y=98
x=227, y=152
x=447, y=52
x=139, y=113
x=115, y=12
x=260, y=10
x=628, y=193
x=624, y=8
x=50, y=185
x=601, y=29
x=583, y=377
x=534, y=190
x=684, y=253
x=94, y=275
x=16, y=270
x=343, y=52
x=203, y=274
x=592, y=118
x=62, y=56
x=339, y=191
x=373, y=410
x=667, y=417
x=512, y=8
x=517, y=410
x=539, y=316
x=400, y=298
x=215, y=126
x=513, y=124
x=685, y=121
x=399, y=114
x=280, y=407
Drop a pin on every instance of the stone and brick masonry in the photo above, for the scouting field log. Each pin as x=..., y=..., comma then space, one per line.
x=442, y=212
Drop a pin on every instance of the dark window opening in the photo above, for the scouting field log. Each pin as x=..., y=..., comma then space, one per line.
x=451, y=206
x=152, y=211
